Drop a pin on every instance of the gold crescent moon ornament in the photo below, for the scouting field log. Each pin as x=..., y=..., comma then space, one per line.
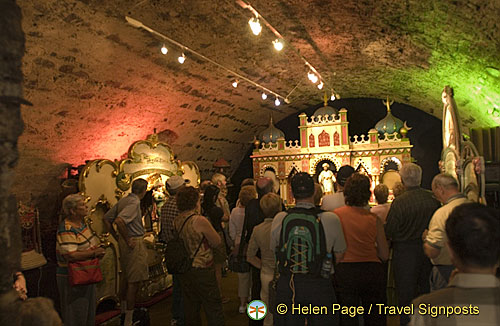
x=406, y=126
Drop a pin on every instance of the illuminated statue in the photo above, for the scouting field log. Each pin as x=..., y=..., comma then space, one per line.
x=326, y=179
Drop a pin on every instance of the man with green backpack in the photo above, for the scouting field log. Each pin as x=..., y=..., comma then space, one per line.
x=305, y=239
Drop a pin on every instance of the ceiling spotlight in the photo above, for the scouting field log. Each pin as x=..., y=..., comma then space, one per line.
x=255, y=25
x=332, y=98
x=277, y=102
x=264, y=96
x=320, y=85
x=278, y=44
x=312, y=77
x=164, y=49
x=181, y=59
x=235, y=84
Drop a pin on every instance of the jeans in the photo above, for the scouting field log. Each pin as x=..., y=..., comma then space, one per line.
x=361, y=284
x=177, y=302
x=77, y=302
x=411, y=273
x=308, y=290
x=200, y=289
x=255, y=272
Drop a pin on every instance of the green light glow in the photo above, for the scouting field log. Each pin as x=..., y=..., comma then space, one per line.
x=465, y=58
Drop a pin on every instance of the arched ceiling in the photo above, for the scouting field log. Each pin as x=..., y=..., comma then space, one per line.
x=98, y=84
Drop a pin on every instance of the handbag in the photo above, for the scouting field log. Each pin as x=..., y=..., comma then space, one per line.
x=84, y=272
x=237, y=262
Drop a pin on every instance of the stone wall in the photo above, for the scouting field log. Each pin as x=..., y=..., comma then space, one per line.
x=11, y=126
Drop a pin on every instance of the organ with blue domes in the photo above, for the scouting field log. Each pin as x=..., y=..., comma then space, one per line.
x=324, y=138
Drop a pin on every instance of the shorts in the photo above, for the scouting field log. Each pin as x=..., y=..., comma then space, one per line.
x=134, y=262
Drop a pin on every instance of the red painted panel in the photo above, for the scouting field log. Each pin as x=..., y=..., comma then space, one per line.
x=311, y=141
x=324, y=139
x=281, y=169
x=344, y=135
x=303, y=138
x=305, y=165
x=336, y=140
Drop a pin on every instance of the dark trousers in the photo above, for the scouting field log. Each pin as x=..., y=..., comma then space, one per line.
x=411, y=273
x=199, y=289
x=255, y=293
x=305, y=290
x=177, y=302
x=361, y=284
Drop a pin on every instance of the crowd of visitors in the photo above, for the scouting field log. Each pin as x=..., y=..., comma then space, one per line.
x=331, y=249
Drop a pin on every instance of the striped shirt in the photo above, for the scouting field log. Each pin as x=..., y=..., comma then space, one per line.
x=71, y=239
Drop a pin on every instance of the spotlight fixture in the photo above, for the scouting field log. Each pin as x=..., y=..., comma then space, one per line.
x=164, y=49
x=277, y=102
x=235, y=84
x=320, y=85
x=332, y=98
x=264, y=96
x=278, y=44
x=287, y=100
x=181, y=59
x=312, y=77
x=255, y=25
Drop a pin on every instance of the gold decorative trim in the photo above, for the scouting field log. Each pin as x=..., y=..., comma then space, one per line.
x=98, y=165
x=193, y=166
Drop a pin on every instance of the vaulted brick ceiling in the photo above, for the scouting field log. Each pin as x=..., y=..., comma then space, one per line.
x=98, y=84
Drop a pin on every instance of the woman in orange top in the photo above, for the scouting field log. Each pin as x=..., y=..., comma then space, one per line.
x=359, y=277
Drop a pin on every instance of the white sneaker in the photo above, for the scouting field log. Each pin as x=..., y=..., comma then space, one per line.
x=242, y=309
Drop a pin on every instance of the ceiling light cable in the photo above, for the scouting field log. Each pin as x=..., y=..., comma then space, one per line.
x=246, y=5
x=137, y=24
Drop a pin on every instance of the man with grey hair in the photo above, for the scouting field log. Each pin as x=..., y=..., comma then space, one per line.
x=127, y=216
x=446, y=189
x=407, y=219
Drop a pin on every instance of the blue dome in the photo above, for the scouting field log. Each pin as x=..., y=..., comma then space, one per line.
x=390, y=123
x=271, y=134
x=324, y=110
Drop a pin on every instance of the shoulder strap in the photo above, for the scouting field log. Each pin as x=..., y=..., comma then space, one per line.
x=87, y=239
x=202, y=238
x=240, y=248
x=184, y=223
x=199, y=246
x=310, y=211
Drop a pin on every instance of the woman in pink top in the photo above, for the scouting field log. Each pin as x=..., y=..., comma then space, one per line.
x=360, y=276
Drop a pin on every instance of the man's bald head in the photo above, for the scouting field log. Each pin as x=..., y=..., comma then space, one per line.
x=264, y=185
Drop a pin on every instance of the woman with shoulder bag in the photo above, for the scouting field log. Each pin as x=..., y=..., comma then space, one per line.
x=76, y=243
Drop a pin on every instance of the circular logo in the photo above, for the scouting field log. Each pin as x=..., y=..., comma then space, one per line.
x=256, y=310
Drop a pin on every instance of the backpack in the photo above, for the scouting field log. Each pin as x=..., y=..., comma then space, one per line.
x=302, y=243
x=177, y=258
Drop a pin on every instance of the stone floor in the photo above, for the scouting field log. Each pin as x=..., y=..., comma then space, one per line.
x=160, y=313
